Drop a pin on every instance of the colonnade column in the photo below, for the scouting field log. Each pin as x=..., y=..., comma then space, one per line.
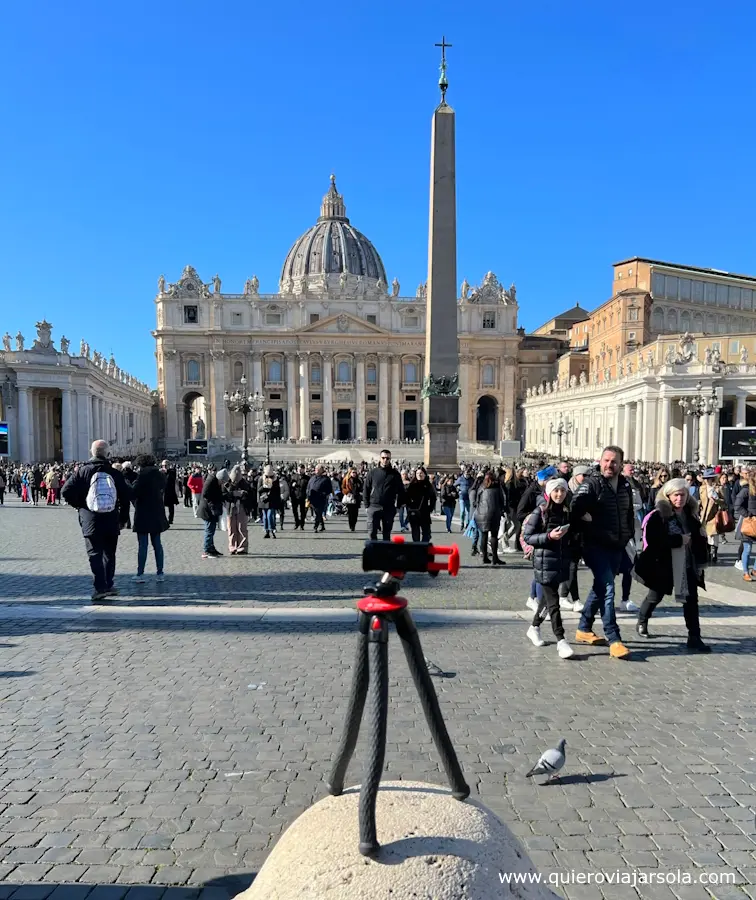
x=67, y=427
x=360, y=432
x=664, y=454
x=383, y=397
x=627, y=411
x=649, y=429
x=638, y=448
x=396, y=397
x=291, y=394
x=703, y=440
x=24, y=430
x=305, y=430
x=740, y=408
x=328, y=397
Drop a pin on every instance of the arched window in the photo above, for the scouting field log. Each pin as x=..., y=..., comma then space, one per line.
x=672, y=320
x=410, y=373
x=344, y=372
x=193, y=372
x=238, y=371
x=711, y=325
x=372, y=375
x=372, y=431
x=685, y=321
x=275, y=371
x=315, y=375
x=698, y=322
x=488, y=375
x=658, y=320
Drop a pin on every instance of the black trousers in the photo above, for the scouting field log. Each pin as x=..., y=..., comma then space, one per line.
x=491, y=537
x=380, y=518
x=169, y=511
x=551, y=601
x=690, y=608
x=101, y=550
x=571, y=585
x=187, y=498
x=421, y=531
x=353, y=510
x=299, y=510
x=318, y=511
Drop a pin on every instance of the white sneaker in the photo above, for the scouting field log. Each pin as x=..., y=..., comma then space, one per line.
x=577, y=606
x=532, y=603
x=565, y=604
x=739, y=565
x=160, y=578
x=564, y=650
x=632, y=607
x=534, y=634
x=138, y=579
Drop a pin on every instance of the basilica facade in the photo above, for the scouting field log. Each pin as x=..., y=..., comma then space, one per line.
x=337, y=352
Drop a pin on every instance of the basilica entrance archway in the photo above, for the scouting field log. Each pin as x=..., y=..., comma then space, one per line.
x=485, y=421
x=194, y=409
x=344, y=425
x=409, y=423
x=316, y=430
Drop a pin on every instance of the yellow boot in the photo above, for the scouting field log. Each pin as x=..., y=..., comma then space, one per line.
x=587, y=637
x=618, y=650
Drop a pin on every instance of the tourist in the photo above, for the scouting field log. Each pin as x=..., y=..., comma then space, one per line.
x=236, y=493
x=298, y=492
x=211, y=509
x=101, y=496
x=3, y=483
x=711, y=502
x=673, y=560
x=171, y=490
x=463, y=484
x=449, y=496
x=745, y=508
x=195, y=483
x=150, y=520
x=36, y=482
x=351, y=488
x=490, y=504
x=285, y=495
x=383, y=492
x=420, y=498
x=547, y=531
x=269, y=499
x=319, y=489
x=403, y=520
x=603, y=509
x=662, y=477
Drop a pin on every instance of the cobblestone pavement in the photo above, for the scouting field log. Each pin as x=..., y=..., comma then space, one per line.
x=170, y=750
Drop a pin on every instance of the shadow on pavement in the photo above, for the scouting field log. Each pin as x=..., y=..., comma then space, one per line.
x=221, y=888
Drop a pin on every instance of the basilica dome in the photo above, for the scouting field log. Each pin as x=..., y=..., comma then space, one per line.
x=332, y=246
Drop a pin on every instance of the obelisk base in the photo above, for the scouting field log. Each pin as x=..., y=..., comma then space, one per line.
x=440, y=428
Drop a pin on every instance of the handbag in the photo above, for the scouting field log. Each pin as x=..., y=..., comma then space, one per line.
x=349, y=499
x=723, y=522
x=748, y=527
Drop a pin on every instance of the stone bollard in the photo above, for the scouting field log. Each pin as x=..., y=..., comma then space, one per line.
x=432, y=846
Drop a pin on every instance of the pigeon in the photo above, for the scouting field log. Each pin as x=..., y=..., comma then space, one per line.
x=550, y=762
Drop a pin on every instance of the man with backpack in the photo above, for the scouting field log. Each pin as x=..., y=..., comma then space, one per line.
x=100, y=494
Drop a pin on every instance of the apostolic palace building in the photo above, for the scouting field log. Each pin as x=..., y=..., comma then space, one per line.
x=337, y=351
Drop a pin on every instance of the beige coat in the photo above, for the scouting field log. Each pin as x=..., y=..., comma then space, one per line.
x=710, y=506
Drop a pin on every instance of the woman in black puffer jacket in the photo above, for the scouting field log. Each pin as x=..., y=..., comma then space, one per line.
x=490, y=505
x=552, y=554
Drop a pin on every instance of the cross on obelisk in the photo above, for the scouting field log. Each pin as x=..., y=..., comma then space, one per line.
x=440, y=391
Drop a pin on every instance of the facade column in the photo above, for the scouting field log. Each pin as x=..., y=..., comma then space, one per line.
x=292, y=425
x=626, y=414
x=24, y=431
x=638, y=448
x=218, y=411
x=703, y=440
x=650, y=443
x=740, y=409
x=713, y=454
x=359, y=408
x=67, y=426
x=383, y=397
x=664, y=429
x=328, y=397
x=396, y=398
x=685, y=442
x=257, y=377
x=305, y=428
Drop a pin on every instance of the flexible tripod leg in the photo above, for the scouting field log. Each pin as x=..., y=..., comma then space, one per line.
x=405, y=628
x=356, y=706
x=378, y=657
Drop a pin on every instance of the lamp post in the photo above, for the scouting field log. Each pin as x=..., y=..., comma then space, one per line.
x=269, y=428
x=560, y=431
x=243, y=403
x=696, y=407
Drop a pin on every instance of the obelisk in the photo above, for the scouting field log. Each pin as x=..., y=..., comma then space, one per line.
x=440, y=387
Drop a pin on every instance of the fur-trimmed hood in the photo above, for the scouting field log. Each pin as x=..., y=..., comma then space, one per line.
x=666, y=510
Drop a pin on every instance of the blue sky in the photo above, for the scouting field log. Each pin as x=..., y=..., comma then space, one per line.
x=143, y=136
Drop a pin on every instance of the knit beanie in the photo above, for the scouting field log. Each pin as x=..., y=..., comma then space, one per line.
x=555, y=483
x=674, y=485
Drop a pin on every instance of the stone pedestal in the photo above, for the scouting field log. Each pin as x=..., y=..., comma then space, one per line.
x=440, y=428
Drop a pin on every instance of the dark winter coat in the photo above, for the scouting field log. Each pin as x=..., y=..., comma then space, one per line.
x=243, y=487
x=551, y=559
x=210, y=507
x=612, y=517
x=653, y=565
x=319, y=489
x=420, y=500
x=75, y=494
x=745, y=503
x=299, y=487
x=463, y=485
x=147, y=497
x=490, y=506
x=383, y=489
x=448, y=496
x=268, y=496
x=170, y=498
x=528, y=501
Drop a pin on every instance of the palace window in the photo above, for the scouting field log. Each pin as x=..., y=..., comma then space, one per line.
x=238, y=371
x=632, y=314
x=272, y=318
x=488, y=375
x=192, y=372
x=275, y=371
x=372, y=320
x=315, y=374
x=489, y=320
x=410, y=373
x=236, y=318
x=344, y=372
x=191, y=316
x=371, y=374
x=411, y=321
x=314, y=317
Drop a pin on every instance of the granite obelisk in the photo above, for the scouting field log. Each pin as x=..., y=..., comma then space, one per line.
x=440, y=388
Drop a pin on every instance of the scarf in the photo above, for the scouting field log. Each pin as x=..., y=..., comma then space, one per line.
x=682, y=559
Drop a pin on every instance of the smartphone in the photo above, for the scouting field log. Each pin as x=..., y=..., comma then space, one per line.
x=563, y=529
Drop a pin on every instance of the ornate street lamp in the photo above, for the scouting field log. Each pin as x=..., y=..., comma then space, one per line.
x=241, y=402
x=269, y=428
x=560, y=431
x=696, y=407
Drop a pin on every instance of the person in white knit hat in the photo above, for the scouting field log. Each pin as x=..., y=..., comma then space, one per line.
x=547, y=530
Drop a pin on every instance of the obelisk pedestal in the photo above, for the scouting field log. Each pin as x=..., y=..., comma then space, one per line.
x=440, y=389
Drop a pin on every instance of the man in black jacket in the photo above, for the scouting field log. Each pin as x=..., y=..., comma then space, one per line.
x=100, y=529
x=603, y=509
x=170, y=497
x=298, y=492
x=382, y=493
x=319, y=489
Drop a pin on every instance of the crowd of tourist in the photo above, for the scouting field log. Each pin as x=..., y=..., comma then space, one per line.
x=659, y=524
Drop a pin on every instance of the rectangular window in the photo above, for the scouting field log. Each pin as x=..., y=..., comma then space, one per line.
x=586, y=438
x=734, y=346
x=721, y=295
x=710, y=292
x=411, y=321
x=489, y=320
x=747, y=298
x=410, y=398
x=315, y=396
x=684, y=289
x=131, y=420
x=734, y=295
x=698, y=292
x=670, y=287
x=372, y=320
x=236, y=318
x=275, y=396
x=372, y=398
x=631, y=336
x=632, y=314
x=657, y=289
x=314, y=317
x=272, y=318
x=191, y=316
x=716, y=345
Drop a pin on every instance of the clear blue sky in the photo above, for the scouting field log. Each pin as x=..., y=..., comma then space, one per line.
x=146, y=135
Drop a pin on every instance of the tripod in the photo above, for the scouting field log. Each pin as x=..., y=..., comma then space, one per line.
x=377, y=610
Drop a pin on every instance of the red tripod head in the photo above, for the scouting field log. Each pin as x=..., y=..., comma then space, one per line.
x=397, y=558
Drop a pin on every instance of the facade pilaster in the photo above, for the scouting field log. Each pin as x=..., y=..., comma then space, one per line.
x=292, y=425
x=396, y=398
x=383, y=397
x=218, y=411
x=305, y=429
x=359, y=408
x=257, y=379
x=328, y=397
